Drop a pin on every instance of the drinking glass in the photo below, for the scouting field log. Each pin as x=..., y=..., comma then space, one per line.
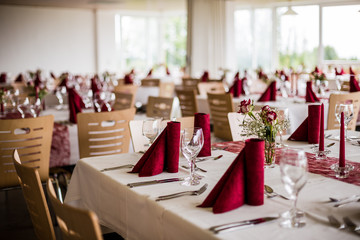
x=348, y=109
x=192, y=140
x=282, y=117
x=60, y=94
x=151, y=128
x=99, y=101
x=293, y=168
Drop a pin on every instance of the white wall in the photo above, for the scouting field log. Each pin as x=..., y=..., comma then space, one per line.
x=52, y=39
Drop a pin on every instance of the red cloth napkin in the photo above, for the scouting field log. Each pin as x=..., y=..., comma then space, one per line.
x=342, y=141
x=149, y=73
x=75, y=104
x=202, y=120
x=309, y=130
x=37, y=81
x=236, y=88
x=341, y=72
x=65, y=81
x=3, y=77
x=94, y=85
x=310, y=95
x=20, y=78
x=128, y=79
x=354, y=84
x=269, y=94
x=351, y=71
x=162, y=155
x=243, y=181
x=205, y=76
x=168, y=71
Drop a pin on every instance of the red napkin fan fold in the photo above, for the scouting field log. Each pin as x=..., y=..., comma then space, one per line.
x=202, y=120
x=75, y=104
x=20, y=78
x=3, y=77
x=354, y=84
x=269, y=94
x=309, y=130
x=310, y=95
x=162, y=155
x=243, y=181
x=128, y=79
x=205, y=77
x=236, y=88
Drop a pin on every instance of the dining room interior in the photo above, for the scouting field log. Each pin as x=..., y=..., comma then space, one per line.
x=179, y=119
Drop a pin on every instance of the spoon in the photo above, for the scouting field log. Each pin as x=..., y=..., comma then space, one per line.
x=269, y=190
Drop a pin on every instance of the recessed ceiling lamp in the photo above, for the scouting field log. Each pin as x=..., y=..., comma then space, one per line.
x=290, y=11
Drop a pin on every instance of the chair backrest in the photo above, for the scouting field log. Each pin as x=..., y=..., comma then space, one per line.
x=166, y=89
x=186, y=122
x=334, y=99
x=150, y=82
x=235, y=121
x=159, y=107
x=74, y=223
x=220, y=105
x=211, y=87
x=188, y=103
x=123, y=101
x=30, y=182
x=129, y=89
x=104, y=133
x=191, y=83
x=139, y=141
x=32, y=138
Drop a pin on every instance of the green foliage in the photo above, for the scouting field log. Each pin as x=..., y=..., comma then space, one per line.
x=175, y=39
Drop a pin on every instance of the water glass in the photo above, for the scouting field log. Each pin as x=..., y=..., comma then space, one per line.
x=348, y=109
x=293, y=168
x=151, y=128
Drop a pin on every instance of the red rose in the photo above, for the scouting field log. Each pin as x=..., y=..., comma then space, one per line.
x=245, y=106
x=271, y=116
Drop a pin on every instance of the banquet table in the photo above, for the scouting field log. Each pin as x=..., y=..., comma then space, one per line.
x=134, y=213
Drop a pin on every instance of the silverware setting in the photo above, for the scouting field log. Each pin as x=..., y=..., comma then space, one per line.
x=347, y=225
x=167, y=180
x=185, y=193
x=117, y=167
x=208, y=158
x=240, y=224
x=332, y=199
x=329, y=145
x=196, y=168
x=269, y=192
x=350, y=200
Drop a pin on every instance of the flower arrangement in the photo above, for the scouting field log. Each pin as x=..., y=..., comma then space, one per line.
x=265, y=124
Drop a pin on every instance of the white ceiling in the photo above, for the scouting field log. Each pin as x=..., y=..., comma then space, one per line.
x=150, y=4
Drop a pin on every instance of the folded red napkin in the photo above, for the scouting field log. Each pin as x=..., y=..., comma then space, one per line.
x=236, y=88
x=351, y=71
x=94, y=85
x=75, y=104
x=341, y=72
x=53, y=75
x=3, y=77
x=128, y=78
x=163, y=154
x=65, y=81
x=205, y=76
x=202, y=120
x=309, y=130
x=269, y=94
x=354, y=84
x=310, y=95
x=342, y=141
x=37, y=81
x=168, y=71
x=20, y=78
x=243, y=181
x=149, y=73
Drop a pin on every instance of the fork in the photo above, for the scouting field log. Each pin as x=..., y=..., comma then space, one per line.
x=179, y=194
x=347, y=202
x=336, y=223
x=351, y=225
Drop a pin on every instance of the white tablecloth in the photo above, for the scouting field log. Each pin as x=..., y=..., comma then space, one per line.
x=134, y=213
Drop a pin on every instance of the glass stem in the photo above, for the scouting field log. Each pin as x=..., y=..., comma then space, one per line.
x=295, y=204
x=192, y=168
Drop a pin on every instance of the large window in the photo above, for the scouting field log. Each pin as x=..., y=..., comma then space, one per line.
x=341, y=37
x=151, y=41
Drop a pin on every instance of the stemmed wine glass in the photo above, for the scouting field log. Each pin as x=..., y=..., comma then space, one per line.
x=348, y=109
x=282, y=117
x=151, y=128
x=293, y=168
x=192, y=140
x=29, y=105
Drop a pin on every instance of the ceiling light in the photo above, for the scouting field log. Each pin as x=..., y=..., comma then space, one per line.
x=290, y=11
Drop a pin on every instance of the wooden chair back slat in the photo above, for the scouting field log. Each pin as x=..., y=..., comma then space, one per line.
x=188, y=103
x=123, y=101
x=150, y=82
x=211, y=87
x=159, y=107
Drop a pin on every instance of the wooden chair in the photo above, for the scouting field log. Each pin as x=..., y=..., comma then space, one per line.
x=166, y=89
x=220, y=105
x=235, y=121
x=123, y=101
x=129, y=89
x=211, y=87
x=30, y=182
x=159, y=107
x=186, y=122
x=74, y=223
x=188, y=103
x=150, y=82
x=104, y=133
x=190, y=83
x=32, y=138
x=334, y=99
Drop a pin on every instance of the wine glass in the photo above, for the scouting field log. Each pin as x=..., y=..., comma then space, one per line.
x=283, y=117
x=151, y=128
x=293, y=168
x=348, y=109
x=99, y=99
x=192, y=140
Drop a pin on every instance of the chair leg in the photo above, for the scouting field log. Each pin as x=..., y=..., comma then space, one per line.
x=57, y=187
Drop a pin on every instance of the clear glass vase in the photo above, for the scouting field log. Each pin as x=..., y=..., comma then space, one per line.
x=270, y=154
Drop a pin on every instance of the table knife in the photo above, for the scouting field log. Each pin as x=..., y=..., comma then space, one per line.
x=241, y=224
x=117, y=167
x=167, y=180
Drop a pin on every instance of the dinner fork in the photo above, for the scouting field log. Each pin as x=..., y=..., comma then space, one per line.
x=179, y=194
x=336, y=223
x=351, y=225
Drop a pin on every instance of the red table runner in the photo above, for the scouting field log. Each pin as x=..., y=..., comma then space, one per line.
x=315, y=166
